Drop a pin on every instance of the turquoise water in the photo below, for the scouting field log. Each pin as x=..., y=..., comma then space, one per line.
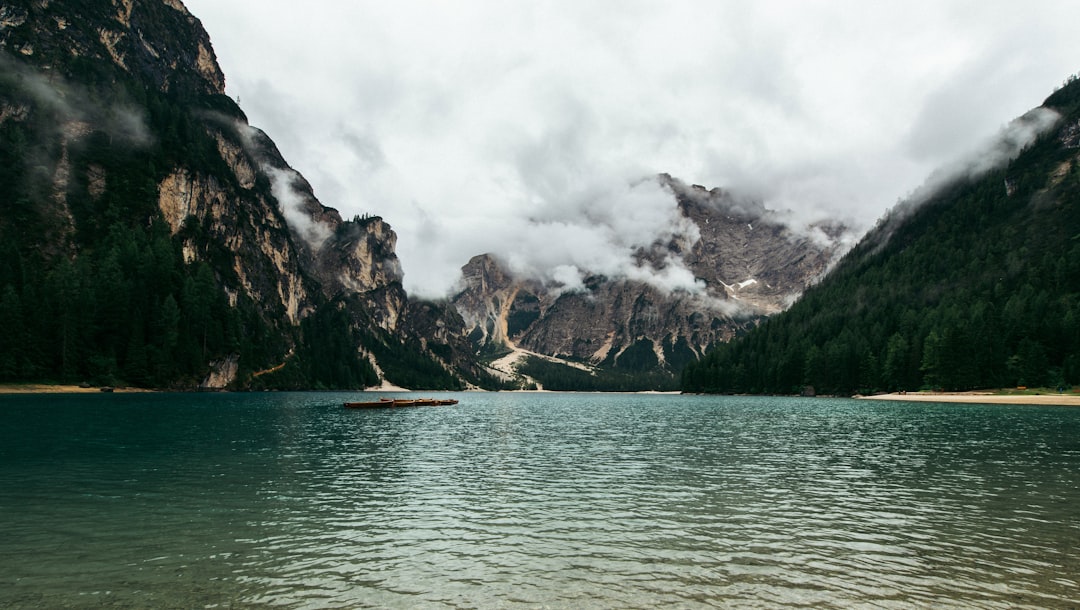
x=535, y=500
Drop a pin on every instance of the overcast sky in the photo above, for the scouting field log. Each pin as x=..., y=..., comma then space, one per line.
x=525, y=128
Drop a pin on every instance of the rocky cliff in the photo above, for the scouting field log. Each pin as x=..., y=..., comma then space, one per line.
x=149, y=235
x=749, y=261
x=119, y=141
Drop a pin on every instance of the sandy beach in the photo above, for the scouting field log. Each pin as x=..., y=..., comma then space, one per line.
x=41, y=388
x=984, y=397
x=1071, y=399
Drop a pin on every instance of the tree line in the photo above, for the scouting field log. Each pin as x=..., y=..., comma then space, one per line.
x=978, y=288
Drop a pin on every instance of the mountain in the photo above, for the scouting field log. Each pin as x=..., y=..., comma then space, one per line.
x=633, y=334
x=150, y=236
x=974, y=283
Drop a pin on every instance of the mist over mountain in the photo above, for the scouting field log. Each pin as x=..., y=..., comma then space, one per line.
x=728, y=262
x=490, y=126
x=971, y=284
x=151, y=237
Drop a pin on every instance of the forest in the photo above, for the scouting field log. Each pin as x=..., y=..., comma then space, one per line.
x=95, y=289
x=977, y=287
x=562, y=378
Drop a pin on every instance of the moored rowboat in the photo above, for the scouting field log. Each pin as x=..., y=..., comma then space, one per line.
x=400, y=402
x=382, y=402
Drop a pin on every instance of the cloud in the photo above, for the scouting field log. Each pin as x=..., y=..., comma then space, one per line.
x=989, y=155
x=292, y=203
x=994, y=153
x=71, y=103
x=596, y=231
x=517, y=128
x=288, y=187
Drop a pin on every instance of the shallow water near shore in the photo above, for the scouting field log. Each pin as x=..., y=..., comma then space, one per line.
x=535, y=500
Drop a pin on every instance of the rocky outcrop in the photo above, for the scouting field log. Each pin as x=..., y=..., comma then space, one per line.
x=760, y=257
x=159, y=43
x=489, y=299
x=132, y=131
x=264, y=263
x=133, y=87
x=223, y=373
x=595, y=325
x=359, y=258
x=749, y=261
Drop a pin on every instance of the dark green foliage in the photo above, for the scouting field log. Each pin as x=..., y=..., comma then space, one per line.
x=93, y=285
x=1067, y=96
x=563, y=378
x=977, y=288
x=326, y=357
x=328, y=352
x=407, y=365
x=525, y=311
x=678, y=354
x=639, y=357
x=128, y=311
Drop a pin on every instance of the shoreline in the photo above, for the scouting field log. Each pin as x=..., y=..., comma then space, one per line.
x=982, y=397
x=49, y=388
x=1070, y=399
x=56, y=388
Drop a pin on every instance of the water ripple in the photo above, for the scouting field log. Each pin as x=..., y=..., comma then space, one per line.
x=559, y=501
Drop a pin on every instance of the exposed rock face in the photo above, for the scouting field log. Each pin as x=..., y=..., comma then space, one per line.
x=596, y=325
x=141, y=75
x=222, y=373
x=264, y=261
x=157, y=42
x=126, y=101
x=488, y=298
x=286, y=247
x=750, y=261
x=753, y=254
x=359, y=258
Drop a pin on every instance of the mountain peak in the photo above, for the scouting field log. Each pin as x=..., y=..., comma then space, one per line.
x=158, y=42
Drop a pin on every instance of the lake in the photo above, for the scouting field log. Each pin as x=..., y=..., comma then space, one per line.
x=517, y=500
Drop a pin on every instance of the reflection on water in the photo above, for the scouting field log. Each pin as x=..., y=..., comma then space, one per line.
x=508, y=500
